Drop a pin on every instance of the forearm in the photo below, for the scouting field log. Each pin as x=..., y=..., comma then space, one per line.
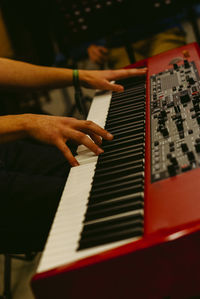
x=12, y=127
x=17, y=75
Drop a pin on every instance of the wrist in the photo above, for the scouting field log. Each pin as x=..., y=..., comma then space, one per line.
x=81, y=76
x=84, y=78
x=26, y=123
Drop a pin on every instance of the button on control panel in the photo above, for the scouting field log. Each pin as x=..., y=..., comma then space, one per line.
x=175, y=121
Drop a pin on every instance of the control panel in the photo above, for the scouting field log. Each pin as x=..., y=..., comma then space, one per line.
x=175, y=120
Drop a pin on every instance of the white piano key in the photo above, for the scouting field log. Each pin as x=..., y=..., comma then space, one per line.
x=98, y=112
x=86, y=156
x=99, y=108
x=68, y=219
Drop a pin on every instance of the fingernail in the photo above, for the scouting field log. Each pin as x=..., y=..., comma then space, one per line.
x=99, y=151
x=109, y=136
x=75, y=164
x=120, y=89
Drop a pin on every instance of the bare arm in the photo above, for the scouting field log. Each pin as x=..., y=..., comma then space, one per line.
x=19, y=75
x=55, y=130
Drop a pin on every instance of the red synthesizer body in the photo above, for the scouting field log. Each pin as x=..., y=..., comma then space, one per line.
x=165, y=261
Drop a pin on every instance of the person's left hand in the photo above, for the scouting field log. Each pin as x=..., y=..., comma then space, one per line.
x=101, y=79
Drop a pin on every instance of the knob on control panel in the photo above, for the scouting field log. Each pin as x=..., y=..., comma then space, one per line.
x=186, y=64
x=184, y=96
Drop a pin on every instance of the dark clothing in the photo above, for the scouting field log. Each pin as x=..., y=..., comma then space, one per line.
x=32, y=178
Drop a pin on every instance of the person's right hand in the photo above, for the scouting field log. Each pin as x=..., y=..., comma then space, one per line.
x=57, y=130
x=97, y=54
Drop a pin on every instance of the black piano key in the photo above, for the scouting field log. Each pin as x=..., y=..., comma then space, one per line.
x=130, y=106
x=92, y=230
x=126, y=154
x=124, y=116
x=121, y=114
x=112, y=236
x=135, y=197
x=132, y=90
x=140, y=123
x=123, y=137
x=129, y=136
x=119, y=160
x=111, y=204
x=106, y=211
x=137, y=169
x=106, y=156
x=115, y=228
x=131, y=81
x=129, y=94
x=107, y=195
x=134, y=128
x=102, y=188
x=133, y=177
x=128, y=142
x=117, y=103
x=116, y=151
x=127, y=132
x=129, y=119
x=138, y=164
x=129, y=110
x=124, y=106
x=107, y=222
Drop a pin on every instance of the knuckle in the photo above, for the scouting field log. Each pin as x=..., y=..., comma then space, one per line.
x=89, y=123
x=81, y=136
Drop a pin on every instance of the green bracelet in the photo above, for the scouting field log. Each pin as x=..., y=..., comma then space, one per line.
x=76, y=79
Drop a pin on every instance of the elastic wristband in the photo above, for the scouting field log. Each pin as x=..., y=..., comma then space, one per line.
x=76, y=79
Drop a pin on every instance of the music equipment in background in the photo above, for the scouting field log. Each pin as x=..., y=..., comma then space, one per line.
x=88, y=20
x=128, y=223
x=68, y=24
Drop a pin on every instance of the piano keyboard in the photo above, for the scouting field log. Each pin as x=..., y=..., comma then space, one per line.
x=102, y=203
